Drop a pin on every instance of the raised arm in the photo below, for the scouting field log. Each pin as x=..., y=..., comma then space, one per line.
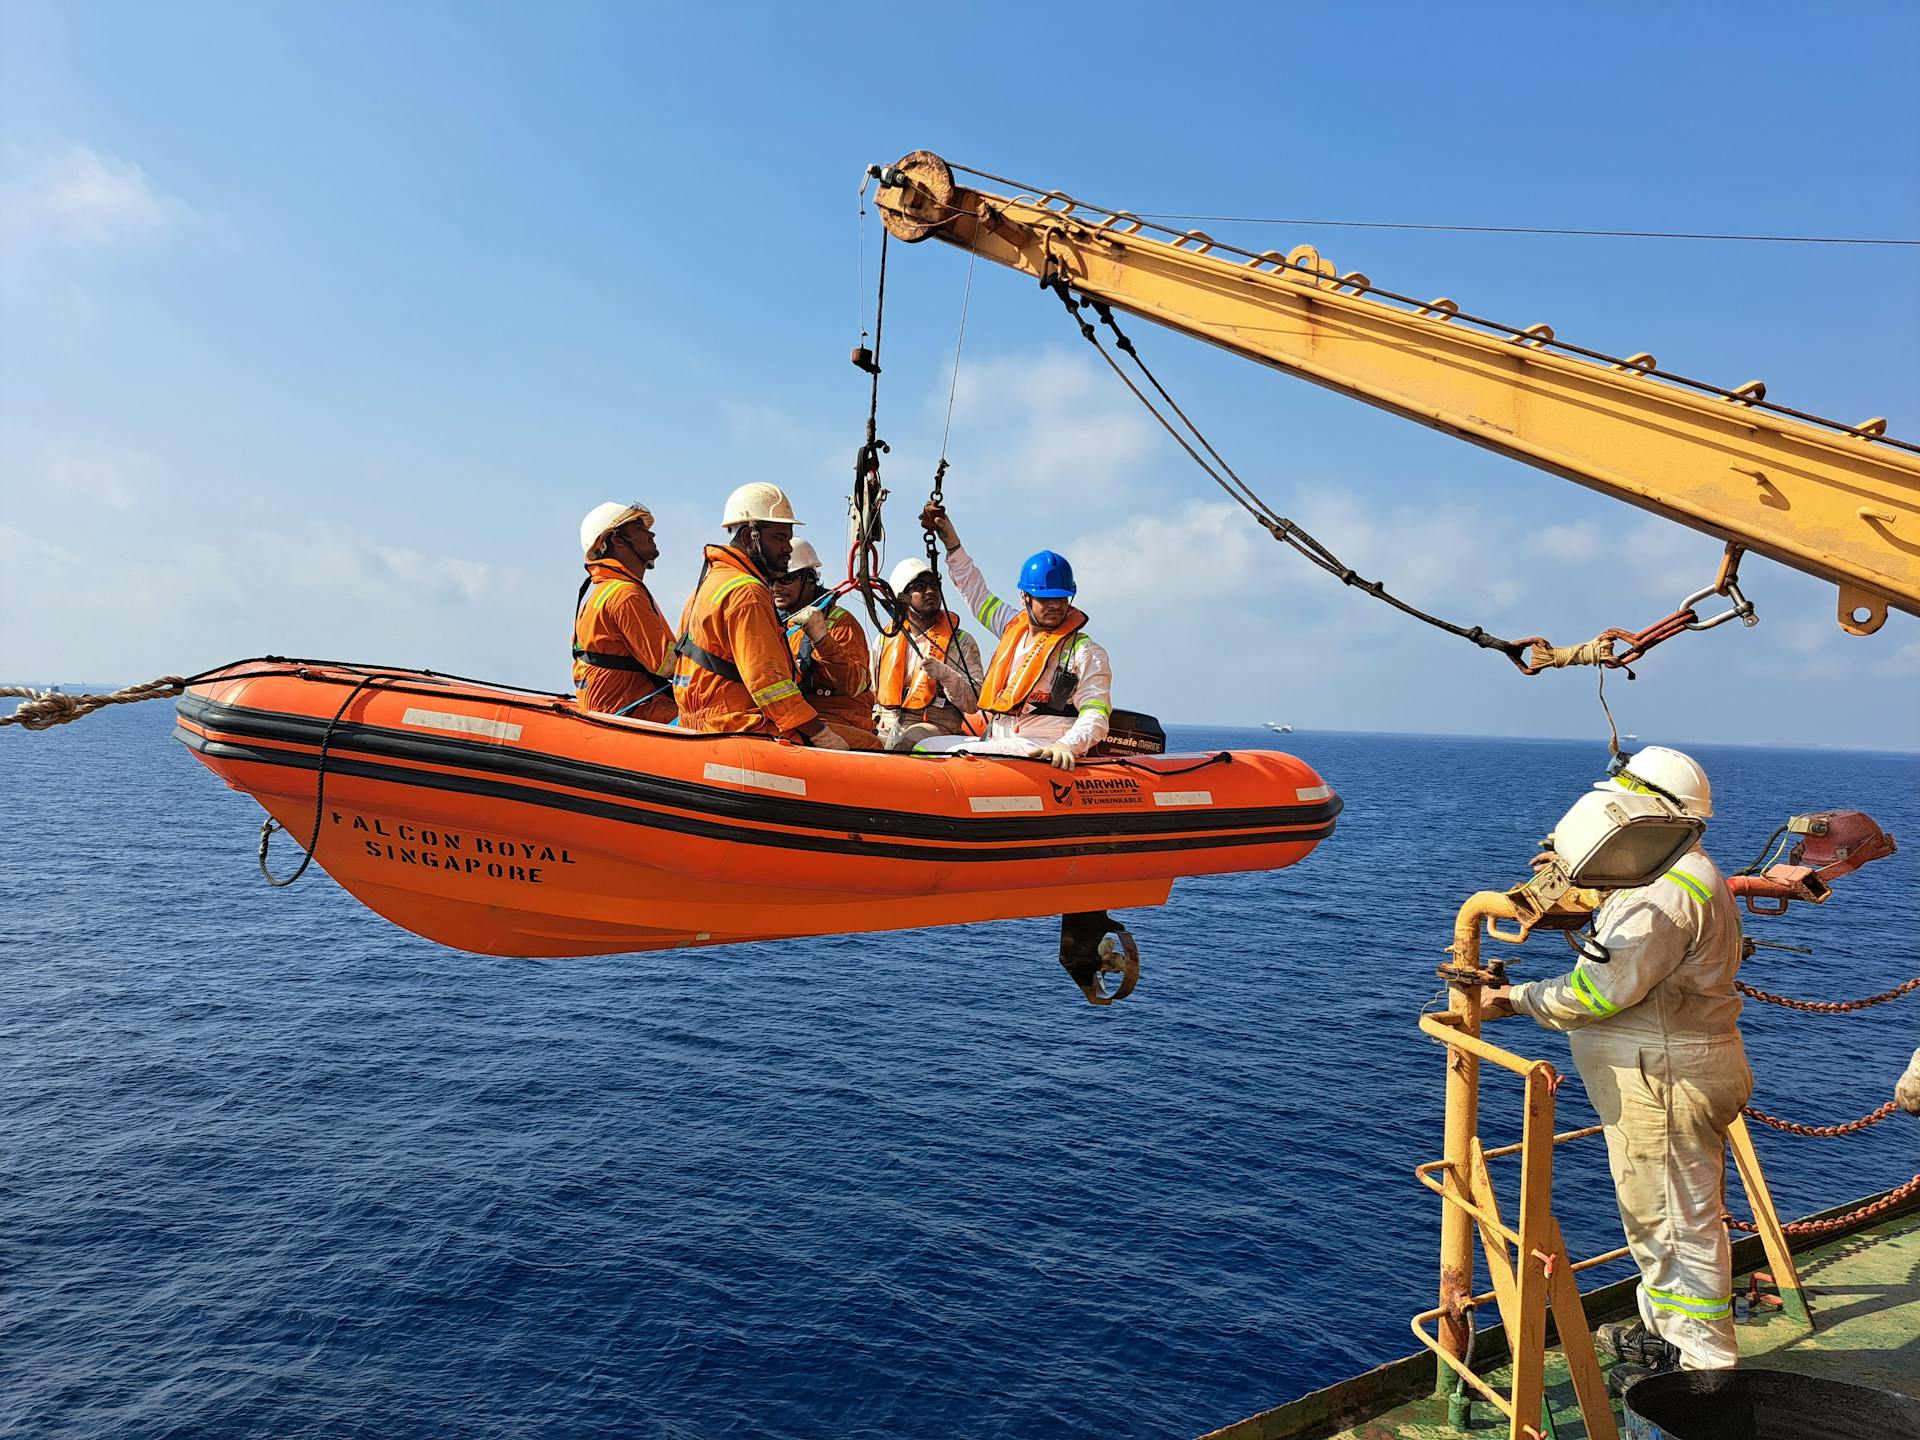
x=988, y=608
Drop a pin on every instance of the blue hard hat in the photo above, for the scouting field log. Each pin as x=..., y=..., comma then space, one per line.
x=1047, y=576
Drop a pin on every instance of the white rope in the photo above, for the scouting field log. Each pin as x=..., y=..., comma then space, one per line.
x=44, y=709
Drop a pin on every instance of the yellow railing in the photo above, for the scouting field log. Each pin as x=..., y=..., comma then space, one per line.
x=1530, y=1268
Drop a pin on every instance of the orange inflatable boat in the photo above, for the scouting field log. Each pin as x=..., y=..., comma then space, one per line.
x=510, y=823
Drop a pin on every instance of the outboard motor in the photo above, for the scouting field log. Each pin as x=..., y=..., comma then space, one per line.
x=1095, y=946
x=1131, y=732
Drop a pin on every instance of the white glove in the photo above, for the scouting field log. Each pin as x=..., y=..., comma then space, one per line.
x=812, y=621
x=826, y=739
x=1059, y=756
x=1907, y=1091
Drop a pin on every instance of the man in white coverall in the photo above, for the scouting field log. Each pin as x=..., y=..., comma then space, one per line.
x=1048, y=690
x=1653, y=1033
x=1906, y=1090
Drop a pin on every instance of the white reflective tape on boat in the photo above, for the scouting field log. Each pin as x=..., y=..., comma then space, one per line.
x=461, y=724
x=759, y=779
x=1313, y=792
x=1183, y=797
x=988, y=804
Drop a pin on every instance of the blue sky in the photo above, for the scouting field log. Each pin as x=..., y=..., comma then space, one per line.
x=320, y=326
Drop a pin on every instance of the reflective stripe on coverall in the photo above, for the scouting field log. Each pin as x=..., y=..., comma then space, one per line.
x=1027, y=733
x=619, y=617
x=730, y=617
x=1653, y=1032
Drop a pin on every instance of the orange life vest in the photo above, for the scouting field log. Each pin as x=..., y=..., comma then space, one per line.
x=892, y=690
x=1005, y=690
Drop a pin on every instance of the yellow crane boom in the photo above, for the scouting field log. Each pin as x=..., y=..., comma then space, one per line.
x=1835, y=500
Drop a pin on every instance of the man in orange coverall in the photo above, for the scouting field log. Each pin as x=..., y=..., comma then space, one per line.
x=622, y=644
x=734, y=673
x=829, y=651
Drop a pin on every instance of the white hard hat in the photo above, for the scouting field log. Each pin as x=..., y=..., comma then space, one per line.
x=908, y=571
x=804, y=557
x=609, y=516
x=758, y=500
x=1659, y=771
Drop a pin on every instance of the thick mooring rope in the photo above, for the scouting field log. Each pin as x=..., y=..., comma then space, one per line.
x=44, y=709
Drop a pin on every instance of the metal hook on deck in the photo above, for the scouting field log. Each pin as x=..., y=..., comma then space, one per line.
x=1095, y=946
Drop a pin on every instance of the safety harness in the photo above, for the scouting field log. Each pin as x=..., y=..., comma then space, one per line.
x=600, y=659
x=706, y=659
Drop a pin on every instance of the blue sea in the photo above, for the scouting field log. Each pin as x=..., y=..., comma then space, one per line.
x=275, y=1168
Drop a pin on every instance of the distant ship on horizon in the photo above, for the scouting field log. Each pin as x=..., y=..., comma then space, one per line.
x=1278, y=728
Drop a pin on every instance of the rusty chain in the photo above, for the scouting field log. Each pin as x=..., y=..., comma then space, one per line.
x=1886, y=1202
x=1600, y=651
x=1852, y=1127
x=1827, y=1007
x=1817, y=1132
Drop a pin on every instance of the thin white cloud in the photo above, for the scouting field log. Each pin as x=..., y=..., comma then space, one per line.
x=319, y=590
x=83, y=477
x=1207, y=617
x=1903, y=662
x=75, y=195
x=772, y=427
x=1048, y=433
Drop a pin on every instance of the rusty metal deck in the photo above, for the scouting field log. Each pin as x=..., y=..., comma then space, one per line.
x=1864, y=1286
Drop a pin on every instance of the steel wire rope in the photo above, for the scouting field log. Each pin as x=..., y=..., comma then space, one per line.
x=960, y=340
x=860, y=281
x=867, y=494
x=1257, y=506
x=1281, y=528
x=1248, y=501
x=1516, y=332
x=860, y=560
x=938, y=495
x=1525, y=229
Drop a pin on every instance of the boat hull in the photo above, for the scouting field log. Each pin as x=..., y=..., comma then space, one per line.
x=511, y=824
